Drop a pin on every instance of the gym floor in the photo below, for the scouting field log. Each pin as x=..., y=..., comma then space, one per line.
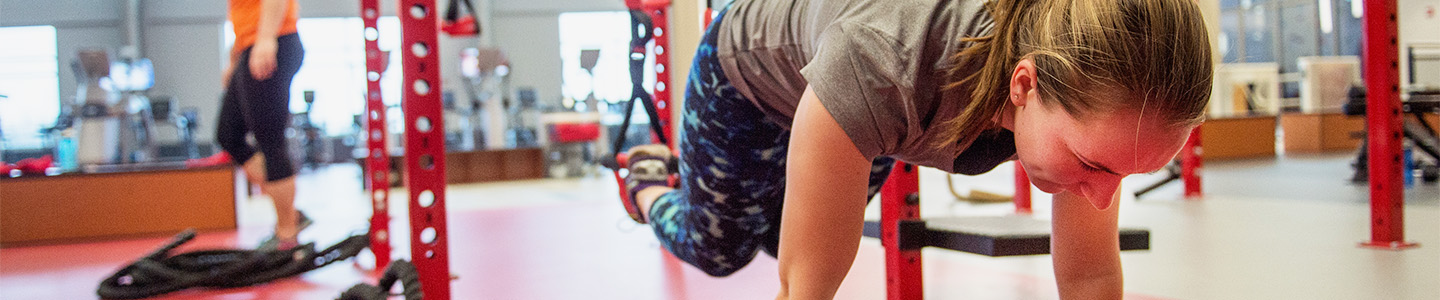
x=1284, y=228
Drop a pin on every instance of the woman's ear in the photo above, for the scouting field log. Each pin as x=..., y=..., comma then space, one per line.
x=1022, y=82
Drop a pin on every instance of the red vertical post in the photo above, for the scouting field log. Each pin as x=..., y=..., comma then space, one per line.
x=424, y=146
x=1190, y=164
x=659, y=14
x=1022, y=190
x=900, y=202
x=378, y=162
x=709, y=17
x=1382, y=82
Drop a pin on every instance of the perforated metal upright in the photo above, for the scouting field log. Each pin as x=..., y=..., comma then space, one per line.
x=1191, y=162
x=1022, y=190
x=1384, y=123
x=901, y=231
x=378, y=162
x=424, y=146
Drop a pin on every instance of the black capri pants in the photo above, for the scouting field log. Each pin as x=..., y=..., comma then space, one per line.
x=261, y=108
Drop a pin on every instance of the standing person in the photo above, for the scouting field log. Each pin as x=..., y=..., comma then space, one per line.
x=796, y=109
x=264, y=59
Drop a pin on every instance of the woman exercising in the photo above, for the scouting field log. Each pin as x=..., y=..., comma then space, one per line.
x=1083, y=92
x=265, y=57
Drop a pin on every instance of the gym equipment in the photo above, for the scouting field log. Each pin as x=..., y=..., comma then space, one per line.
x=991, y=235
x=111, y=112
x=161, y=272
x=646, y=19
x=903, y=233
x=1417, y=131
x=111, y=120
x=1384, y=126
x=310, y=145
x=460, y=26
x=400, y=271
x=490, y=119
x=186, y=121
x=571, y=134
x=424, y=144
x=377, y=158
x=572, y=141
x=1008, y=235
x=524, y=119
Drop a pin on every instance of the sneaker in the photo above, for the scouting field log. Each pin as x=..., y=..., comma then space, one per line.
x=649, y=165
x=274, y=243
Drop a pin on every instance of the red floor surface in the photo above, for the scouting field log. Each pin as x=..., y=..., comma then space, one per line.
x=568, y=251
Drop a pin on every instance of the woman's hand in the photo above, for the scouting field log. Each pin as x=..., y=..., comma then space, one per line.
x=262, y=59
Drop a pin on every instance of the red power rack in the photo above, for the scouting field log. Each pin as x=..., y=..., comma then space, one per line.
x=1384, y=123
x=899, y=226
x=424, y=146
x=378, y=162
x=1022, y=190
x=1190, y=163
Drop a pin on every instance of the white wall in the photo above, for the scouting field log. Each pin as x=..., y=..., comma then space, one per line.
x=529, y=32
x=532, y=43
x=187, y=67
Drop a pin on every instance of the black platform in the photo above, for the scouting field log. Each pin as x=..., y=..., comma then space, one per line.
x=998, y=235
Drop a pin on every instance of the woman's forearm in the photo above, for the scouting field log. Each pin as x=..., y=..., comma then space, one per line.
x=825, y=185
x=1085, y=247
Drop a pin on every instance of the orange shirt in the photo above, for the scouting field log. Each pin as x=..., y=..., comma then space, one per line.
x=245, y=17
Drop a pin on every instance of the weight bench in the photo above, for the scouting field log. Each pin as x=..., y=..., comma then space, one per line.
x=1009, y=235
x=1414, y=129
x=904, y=234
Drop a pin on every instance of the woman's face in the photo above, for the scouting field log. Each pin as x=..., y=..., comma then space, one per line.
x=1088, y=157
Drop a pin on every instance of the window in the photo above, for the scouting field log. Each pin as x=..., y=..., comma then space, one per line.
x=1299, y=32
x=29, y=83
x=1230, y=36
x=1348, y=29
x=335, y=69
x=1261, y=30
x=608, y=32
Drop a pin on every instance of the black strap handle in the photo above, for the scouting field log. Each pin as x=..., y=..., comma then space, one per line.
x=452, y=13
x=640, y=27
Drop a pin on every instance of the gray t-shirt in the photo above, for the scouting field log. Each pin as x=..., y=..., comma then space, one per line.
x=876, y=65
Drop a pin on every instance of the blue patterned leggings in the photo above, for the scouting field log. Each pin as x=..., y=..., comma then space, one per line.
x=732, y=170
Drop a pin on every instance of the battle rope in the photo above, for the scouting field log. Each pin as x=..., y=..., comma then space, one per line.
x=159, y=272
